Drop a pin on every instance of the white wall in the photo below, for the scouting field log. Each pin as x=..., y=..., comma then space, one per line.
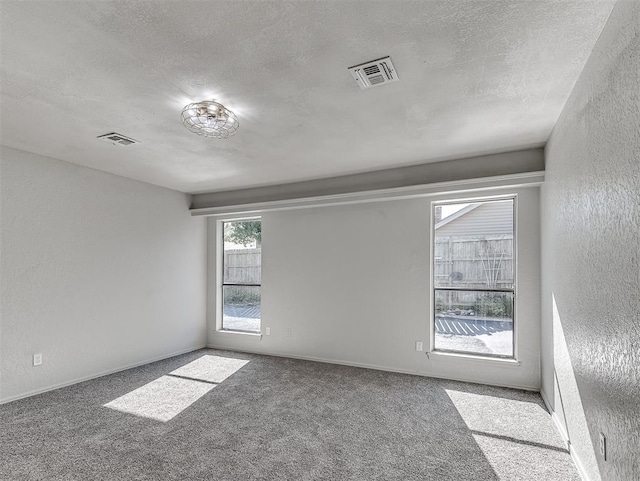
x=591, y=255
x=98, y=273
x=352, y=284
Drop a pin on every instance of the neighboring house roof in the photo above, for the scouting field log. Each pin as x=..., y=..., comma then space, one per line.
x=457, y=214
x=478, y=219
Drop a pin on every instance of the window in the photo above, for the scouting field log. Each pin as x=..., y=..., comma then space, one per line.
x=241, y=275
x=474, y=277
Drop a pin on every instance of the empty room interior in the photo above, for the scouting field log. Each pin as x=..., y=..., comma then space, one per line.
x=320, y=240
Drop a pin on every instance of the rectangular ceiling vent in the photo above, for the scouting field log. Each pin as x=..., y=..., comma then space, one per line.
x=118, y=139
x=374, y=73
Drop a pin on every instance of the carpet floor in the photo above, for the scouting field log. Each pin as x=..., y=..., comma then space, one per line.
x=220, y=415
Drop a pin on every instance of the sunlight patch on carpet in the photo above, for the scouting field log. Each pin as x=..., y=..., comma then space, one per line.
x=529, y=445
x=161, y=399
x=164, y=398
x=210, y=368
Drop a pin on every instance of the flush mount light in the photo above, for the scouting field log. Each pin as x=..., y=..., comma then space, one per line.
x=210, y=119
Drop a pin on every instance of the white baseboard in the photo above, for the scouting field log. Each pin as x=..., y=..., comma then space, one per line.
x=370, y=366
x=565, y=437
x=53, y=387
x=579, y=466
x=554, y=417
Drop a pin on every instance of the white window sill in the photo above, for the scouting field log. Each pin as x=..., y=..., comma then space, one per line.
x=458, y=356
x=249, y=335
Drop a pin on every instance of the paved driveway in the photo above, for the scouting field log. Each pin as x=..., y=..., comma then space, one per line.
x=482, y=336
x=238, y=317
x=462, y=326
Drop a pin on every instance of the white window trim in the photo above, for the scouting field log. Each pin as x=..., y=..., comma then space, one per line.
x=219, y=244
x=447, y=355
x=432, y=352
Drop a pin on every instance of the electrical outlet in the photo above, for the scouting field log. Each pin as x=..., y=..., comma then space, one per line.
x=603, y=446
x=288, y=332
x=419, y=346
x=37, y=359
x=268, y=331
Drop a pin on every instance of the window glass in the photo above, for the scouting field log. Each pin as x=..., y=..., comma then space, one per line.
x=473, y=277
x=241, y=275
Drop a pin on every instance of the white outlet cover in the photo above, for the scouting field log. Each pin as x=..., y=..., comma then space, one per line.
x=268, y=331
x=603, y=446
x=418, y=345
x=37, y=359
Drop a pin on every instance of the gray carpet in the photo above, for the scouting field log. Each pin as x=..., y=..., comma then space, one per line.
x=218, y=415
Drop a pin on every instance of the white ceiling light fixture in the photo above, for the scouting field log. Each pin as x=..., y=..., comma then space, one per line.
x=210, y=119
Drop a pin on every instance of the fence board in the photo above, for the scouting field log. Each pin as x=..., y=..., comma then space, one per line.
x=469, y=262
x=242, y=266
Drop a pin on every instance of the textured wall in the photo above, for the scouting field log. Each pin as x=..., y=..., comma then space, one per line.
x=363, y=297
x=98, y=272
x=591, y=255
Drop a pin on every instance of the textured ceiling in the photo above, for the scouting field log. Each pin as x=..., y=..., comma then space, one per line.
x=476, y=76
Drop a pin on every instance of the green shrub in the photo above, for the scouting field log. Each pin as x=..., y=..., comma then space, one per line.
x=241, y=295
x=498, y=306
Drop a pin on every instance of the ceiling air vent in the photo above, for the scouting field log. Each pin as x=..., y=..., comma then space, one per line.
x=374, y=73
x=118, y=139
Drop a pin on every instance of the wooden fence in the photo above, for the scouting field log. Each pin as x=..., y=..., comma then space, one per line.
x=468, y=262
x=242, y=266
x=458, y=262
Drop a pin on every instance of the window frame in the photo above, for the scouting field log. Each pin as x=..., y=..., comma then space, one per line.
x=449, y=200
x=221, y=284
